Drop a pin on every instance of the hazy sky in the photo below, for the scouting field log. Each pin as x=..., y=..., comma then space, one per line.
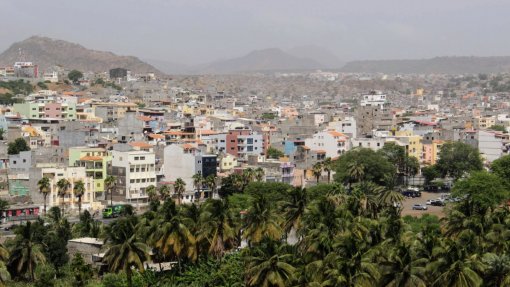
x=190, y=31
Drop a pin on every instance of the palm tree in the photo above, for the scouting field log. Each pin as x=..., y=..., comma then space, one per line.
x=269, y=266
x=179, y=188
x=164, y=192
x=356, y=172
x=259, y=174
x=317, y=171
x=44, y=188
x=173, y=238
x=125, y=249
x=4, y=257
x=27, y=253
x=261, y=221
x=294, y=208
x=109, y=184
x=151, y=192
x=212, y=183
x=63, y=186
x=79, y=191
x=327, y=164
x=198, y=181
x=217, y=227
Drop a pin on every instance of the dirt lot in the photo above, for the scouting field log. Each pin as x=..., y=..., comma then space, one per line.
x=409, y=202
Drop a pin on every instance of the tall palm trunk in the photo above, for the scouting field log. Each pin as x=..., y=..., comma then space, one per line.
x=45, y=196
x=329, y=176
x=79, y=205
x=129, y=276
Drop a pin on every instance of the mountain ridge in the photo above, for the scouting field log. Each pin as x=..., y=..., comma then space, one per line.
x=47, y=52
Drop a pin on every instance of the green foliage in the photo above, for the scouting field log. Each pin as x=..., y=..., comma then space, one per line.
x=482, y=191
x=81, y=271
x=75, y=76
x=18, y=87
x=4, y=204
x=501, y=167
x=417, y=224
x=457, y=159
x=2, y=132
x=42, y=85
x=498, y=128
x=274, y=153
x=45, y=276
x=274, y=191
x=225, y=273
x=17, y=146
x=430, y=173
x=268, y=116
x=375, y=166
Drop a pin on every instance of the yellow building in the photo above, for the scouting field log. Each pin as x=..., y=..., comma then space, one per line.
x=412, y=143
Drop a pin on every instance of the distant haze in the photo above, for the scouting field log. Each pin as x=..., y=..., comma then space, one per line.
x=190, y=32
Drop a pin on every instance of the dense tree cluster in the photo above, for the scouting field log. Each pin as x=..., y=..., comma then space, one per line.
x=347, y=233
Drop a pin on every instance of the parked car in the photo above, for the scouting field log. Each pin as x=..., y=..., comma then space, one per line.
x=430, y=201
x=420, y=207
x=411, y=193
x=437, y=203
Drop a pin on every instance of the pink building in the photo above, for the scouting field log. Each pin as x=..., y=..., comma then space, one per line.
x=53, y=110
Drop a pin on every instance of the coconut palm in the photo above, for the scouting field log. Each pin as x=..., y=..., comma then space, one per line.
x=63, y=186
x=79, y=191
x=259, y=174
x=261, y=221
x=125, y=249
x=164, y=192
x=217, y=227
x=44, y=188
x=179, y=188
x=294, y=208
x=4, y=257
x=317, y=170
x=151, y=193
x=327, y=165
x=26, y=253
x=174, y=239
x=356, y=172
x=198, y=181
x=109, y=185
x=212, y=183
x=269, y=266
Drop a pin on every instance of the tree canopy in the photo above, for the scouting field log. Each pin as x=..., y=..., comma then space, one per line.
x=374, y=166
x=457, y=159
x=17, y=146
x=74, y=76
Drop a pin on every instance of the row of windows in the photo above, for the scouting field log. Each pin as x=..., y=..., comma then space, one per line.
x=142, y=180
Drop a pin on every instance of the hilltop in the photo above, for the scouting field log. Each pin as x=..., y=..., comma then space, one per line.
x=47, y=52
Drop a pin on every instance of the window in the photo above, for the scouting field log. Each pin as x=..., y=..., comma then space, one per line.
x=132, y=169
x=142, y=158
x=137, y=158
x=137, y=169
x=132, y=181
x=24, y=160
x=14, y=162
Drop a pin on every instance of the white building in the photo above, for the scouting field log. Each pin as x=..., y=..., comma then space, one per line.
x=135, y=171
x=371, y=143
x=492, y=145
x=51, y=77
x=346, y=125
x=334, y=143
x=374, y=99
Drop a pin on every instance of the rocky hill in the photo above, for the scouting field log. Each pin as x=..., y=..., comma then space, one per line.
x=47, y=52
x=439, y=65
